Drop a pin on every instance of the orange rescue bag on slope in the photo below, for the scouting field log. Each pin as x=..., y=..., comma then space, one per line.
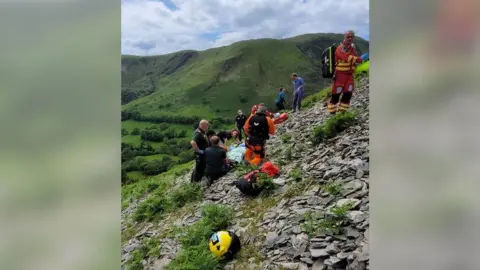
x=281, y=118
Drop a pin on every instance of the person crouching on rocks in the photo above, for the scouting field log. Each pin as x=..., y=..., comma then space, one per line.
x=258, y=129
x=216, y=158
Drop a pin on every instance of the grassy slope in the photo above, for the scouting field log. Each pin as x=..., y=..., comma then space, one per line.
x=210, y=83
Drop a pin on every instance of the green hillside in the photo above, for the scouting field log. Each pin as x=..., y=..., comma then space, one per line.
x=181, y=88
x=218, y=81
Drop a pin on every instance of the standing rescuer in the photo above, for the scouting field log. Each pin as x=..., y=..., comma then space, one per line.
x=199, y=144
x=258, y=129
x=343, y=79
x=240, y=122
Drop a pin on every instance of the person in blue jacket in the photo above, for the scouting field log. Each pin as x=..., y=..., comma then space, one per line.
x=298, y=91
x=281, y=99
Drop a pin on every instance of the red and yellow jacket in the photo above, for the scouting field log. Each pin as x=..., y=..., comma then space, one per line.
x=346, y=58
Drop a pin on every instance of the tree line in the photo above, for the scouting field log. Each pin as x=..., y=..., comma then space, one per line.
x=133, y=158
x=175, y=143
x=171, y=119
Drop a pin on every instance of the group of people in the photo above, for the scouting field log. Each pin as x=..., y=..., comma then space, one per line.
x=211, y=147
x=343, y=84
x=298, y=91
x=210, y=152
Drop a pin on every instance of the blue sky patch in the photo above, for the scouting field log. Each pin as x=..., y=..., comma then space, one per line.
x=169, y=4
x=211, y=36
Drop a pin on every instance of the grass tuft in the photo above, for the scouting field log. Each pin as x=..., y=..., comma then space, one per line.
x=150, y=247
x=334, y=125
x=160, y=201
x=329, y=223
x=321, y=96
x=194, y=253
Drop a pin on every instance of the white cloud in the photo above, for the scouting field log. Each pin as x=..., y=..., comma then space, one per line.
x=203, y=24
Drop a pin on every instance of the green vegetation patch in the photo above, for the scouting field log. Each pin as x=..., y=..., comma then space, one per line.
x=321, y=96
x=163, y=201
x=327, y=223
x=242, y=169
x=296, y=174
x=334, y=125
x=332, y=188
x=164, y=181
x=266, y=184
x=286, y=137
x=150, y=247
x=194, y=253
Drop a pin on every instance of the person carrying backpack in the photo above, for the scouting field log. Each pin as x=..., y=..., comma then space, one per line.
x=258, y=129
x=343, y=79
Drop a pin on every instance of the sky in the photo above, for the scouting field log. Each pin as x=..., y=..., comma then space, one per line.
x=153, y=27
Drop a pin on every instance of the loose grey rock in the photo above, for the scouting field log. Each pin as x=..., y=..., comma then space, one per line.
x=272, y=237
x=290, y=265
x=333, y=261
x=331, y=249
x=332, y=173
x=297, y=229
x=352, y=232
x=359, y=174
x=318, y=265
x=356, y=216
x=317, y=253
x=342, y=202
x=314, y=200
x=132, y=247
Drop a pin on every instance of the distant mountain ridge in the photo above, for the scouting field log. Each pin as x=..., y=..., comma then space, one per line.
x=218, y=81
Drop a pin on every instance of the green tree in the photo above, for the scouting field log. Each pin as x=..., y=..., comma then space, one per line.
x=136, y=131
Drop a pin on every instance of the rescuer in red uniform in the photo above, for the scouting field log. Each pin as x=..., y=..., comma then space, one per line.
x=343, y=79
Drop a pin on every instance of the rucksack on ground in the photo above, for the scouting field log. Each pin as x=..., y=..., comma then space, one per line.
x=328, y=61
x=248, y=183
x=280, y=118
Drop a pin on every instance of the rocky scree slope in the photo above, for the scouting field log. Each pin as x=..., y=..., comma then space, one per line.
x=317, y=218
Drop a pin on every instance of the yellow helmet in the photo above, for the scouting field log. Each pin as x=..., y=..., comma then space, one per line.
x=219, y=243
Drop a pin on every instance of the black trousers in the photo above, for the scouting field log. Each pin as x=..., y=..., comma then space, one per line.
x=200, y=165
x=280, y=106
x=240, y=131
